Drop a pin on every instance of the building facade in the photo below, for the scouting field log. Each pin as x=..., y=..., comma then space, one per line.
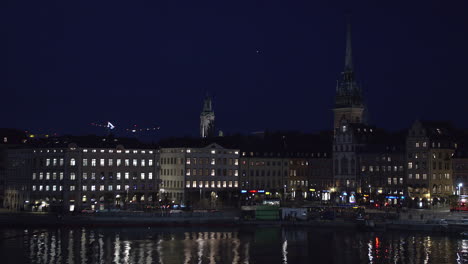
x=76, y=178
x=430, y=147
x=202, y=177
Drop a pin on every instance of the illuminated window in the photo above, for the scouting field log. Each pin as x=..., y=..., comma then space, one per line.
x=47, y=162
x=93, y=188
x=416, y=176
x=150, y=175
x=93, y=162
x=72, y=162
x=224, y=184
x=212, y=172
x=219, y=184
x=48, y=176
x=34, y=188
x=118, y=176
x=236, y=173
x=85, y=188
x=101, y=188
x=127, y=175
x=93, y=176
x=72, y=176
x=410, y=165
x=102, y=162
x=236, y=184
x=47, y=188
x=213, y=152
x=150, y=162
x=187, y=173
x=230, y=184
x=34, y=176
x=187, y=184
x=85, y=150
x=194, y=184
x=54, y=162
x=135, y=162
x=417, y=144
x=72, y=187
x=410, y=176
x=61, y=175
x=142, y=175
x=110, y=162
x=117, y=187
x=61, y=162
x=207, y=184
x=119, y=162
x=109, y=188
x=85, y=162
x=40, y=188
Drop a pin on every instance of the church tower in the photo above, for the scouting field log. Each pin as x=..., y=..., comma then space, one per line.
x=349, y=105
x=207, y=117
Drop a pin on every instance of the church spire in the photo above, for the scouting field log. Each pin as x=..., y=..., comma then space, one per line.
x=349, y=50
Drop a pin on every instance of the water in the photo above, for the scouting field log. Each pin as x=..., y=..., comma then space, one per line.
x=218, y=245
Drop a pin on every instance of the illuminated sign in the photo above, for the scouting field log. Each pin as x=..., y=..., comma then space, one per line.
x=261, y=191
x=312, y=190
x=252, y=191
x=267, y=193
x=243, y=191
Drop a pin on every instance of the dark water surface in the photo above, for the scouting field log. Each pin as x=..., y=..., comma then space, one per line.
x=218, y=245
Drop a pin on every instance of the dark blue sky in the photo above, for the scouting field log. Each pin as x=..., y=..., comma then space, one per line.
x=65, y=65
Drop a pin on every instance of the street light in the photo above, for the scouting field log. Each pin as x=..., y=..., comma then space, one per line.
x=460, y=185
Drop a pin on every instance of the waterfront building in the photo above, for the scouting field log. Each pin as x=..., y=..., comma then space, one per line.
x=383, y=170
x=430, y=147
x=460, y=171
x=71, y=174
x=200, y=176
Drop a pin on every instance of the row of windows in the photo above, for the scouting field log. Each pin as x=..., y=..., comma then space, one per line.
x=267, y=173
x=417, y=176
x=299, y=183
x=200, y=172
x=441, y=166
x=110, y=162
x=92, y=176
x=435, y=155
x=394, y=181
x=213, y=184
x=212, y=161
x=384, y=168
x=54, y=162
x=92, y=188
x=434, y=144
x=101, y=151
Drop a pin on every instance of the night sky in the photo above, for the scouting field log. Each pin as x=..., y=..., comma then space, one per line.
x=270, y=65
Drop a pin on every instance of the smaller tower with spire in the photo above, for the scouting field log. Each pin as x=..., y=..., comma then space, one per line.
x=207, y=118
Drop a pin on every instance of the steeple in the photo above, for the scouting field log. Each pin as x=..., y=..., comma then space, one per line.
x=207, y=118
x=349, y=50
x=349, y=105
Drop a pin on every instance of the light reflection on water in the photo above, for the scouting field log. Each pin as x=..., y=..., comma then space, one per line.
x=259, y=245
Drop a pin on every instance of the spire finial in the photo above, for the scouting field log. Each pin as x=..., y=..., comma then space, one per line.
x=349, y=50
